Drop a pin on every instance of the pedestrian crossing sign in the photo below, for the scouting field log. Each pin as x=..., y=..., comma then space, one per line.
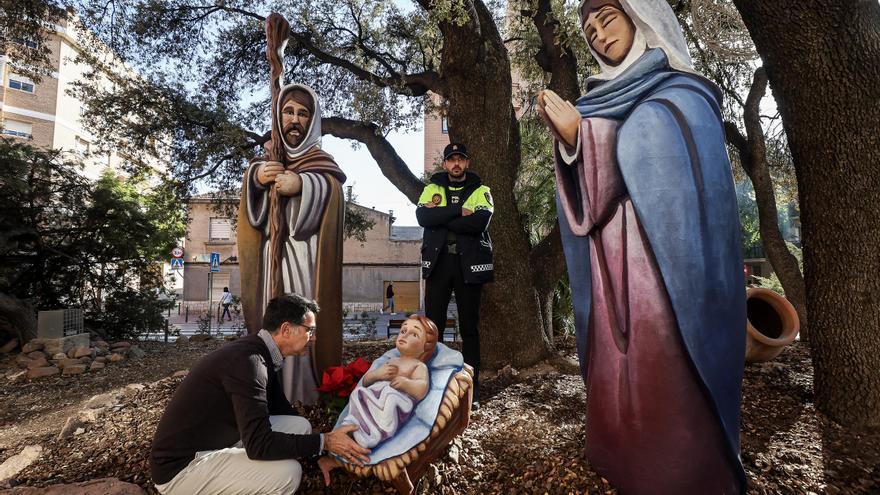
x=177, y=263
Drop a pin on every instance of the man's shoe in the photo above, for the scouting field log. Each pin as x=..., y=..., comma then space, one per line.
x=475, y=406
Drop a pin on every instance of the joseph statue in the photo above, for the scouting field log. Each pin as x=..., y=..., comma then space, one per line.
x=308, y=219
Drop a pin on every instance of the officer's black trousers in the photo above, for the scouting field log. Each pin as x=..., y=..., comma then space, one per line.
x=445, y=278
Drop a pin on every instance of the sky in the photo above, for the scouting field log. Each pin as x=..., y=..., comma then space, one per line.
x=371, y=188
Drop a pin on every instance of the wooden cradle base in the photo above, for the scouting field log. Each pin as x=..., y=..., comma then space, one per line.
x=404, y=471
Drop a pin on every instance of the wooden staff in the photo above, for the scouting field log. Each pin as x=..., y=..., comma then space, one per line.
x=277, y=33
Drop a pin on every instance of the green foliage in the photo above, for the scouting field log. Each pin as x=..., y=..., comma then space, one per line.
x=23, y=37
x=128, y=313
x=357, y=223
x=748, y=216
x=201, y=98
x=772, y=282
x=536, y=186
x=69, y=242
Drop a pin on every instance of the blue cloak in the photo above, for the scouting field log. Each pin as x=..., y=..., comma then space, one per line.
x=672, y=156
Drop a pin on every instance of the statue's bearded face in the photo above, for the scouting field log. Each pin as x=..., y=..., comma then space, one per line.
x=295, y=119
x=610, y=32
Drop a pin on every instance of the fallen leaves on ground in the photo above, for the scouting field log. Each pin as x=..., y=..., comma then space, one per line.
x=527, y=437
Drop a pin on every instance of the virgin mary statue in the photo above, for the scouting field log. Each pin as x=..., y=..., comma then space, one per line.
x=651, y=236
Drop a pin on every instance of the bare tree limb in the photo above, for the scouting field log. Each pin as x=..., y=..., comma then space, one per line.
x=416, y=84
x=752, y=149
x=390, y=163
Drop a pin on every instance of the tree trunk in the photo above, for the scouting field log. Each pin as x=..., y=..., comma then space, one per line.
x=478, y=87
x=753, y=157
x=823, y=62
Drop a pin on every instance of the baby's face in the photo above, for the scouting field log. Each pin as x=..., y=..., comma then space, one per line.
x=411, y=341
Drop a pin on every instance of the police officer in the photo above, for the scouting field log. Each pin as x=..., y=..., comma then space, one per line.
x=455, y=209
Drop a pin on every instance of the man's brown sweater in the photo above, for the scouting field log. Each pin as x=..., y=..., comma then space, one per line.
x=226, y=397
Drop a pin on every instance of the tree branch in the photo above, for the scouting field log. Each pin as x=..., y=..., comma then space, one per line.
x=752, y=114
x=559, y=61
x=416, y=84
x=390, y=163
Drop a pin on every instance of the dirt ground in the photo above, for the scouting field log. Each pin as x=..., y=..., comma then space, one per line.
x=526, y=438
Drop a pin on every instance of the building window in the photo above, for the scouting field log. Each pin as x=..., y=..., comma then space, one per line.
x=220, y=229
x=445, y=125
x=82, y=146
x=21, y=83
x=16, y=128
x=25, y=42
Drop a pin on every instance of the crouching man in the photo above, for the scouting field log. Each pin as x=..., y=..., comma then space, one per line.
x=229, y=427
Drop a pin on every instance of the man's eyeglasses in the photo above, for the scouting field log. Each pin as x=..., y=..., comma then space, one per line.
x=309, y=330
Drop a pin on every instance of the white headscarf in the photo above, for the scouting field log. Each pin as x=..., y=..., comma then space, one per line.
x=312, y=133
x=656, y=27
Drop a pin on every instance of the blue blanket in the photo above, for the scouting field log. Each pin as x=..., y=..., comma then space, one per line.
x=442, y=367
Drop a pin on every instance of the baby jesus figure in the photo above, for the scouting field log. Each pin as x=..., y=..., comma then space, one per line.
x=387, y=396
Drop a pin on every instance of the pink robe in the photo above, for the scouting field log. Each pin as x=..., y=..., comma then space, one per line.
x=647, y=413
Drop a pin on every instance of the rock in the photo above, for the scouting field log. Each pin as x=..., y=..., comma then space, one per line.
x=65, y=344
x=103, y=486
x=120, y=345
x=41, y=372
x=115, y=358
x=200, y=337
x=71, y=353
x=101, y=401
x=37, y=355
x=16, y=375
x=90, y=415
x=74, y=369
x=82, y=352
x=136, y=352
x=454, y=453
x=182, y=340
x=23, y=361
x=63, y=363
x=101, y=343
x=96, y=366
x=85, y=360
x=508, y=372
x=19, y=462
x=59, y=356
x=132, y=389
x=179, y=374
x=34, y=345
x=230, y=338
x=73, y=423
x=9, y=346
x=38, y=363
x=101, y=359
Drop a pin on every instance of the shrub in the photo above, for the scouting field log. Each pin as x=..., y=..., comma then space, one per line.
x=129, y=313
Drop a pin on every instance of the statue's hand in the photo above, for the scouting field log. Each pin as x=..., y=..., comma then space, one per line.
x=268, y=171
x=387, y=372
x=397, y=382
x=559, y=115
x=289, y=183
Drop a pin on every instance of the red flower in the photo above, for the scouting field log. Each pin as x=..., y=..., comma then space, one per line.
x=359, y=366
x=341, y=380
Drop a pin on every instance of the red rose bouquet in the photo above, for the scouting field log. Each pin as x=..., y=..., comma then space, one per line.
x=339, y=381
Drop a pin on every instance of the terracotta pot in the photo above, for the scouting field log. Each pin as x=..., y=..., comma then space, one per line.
x=772, y=324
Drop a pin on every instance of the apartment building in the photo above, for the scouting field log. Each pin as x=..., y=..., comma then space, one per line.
x=45, y=113
x=388, y=254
